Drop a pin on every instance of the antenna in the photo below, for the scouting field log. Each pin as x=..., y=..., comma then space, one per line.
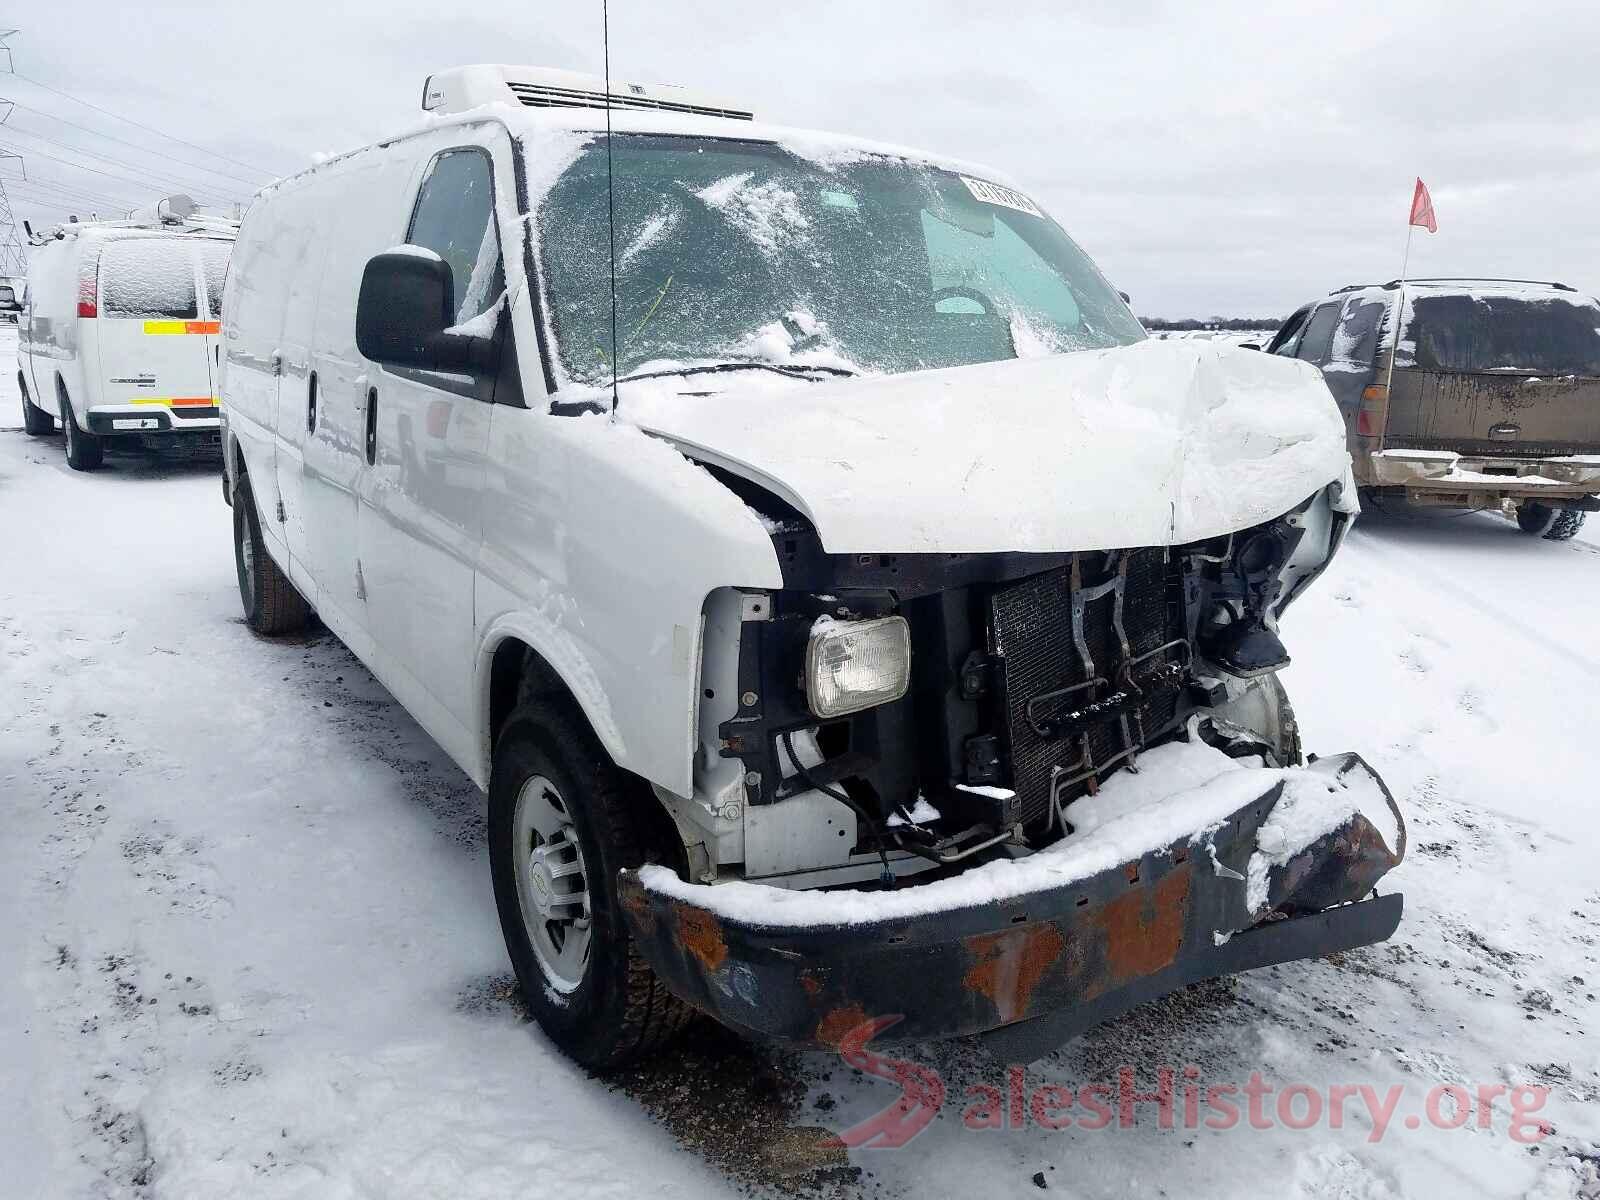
x=611, y=205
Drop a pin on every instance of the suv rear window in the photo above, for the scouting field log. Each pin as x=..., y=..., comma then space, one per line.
x=148, y=279
x=1539, y=334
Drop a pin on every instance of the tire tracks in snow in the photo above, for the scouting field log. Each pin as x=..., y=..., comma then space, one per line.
x=1414, y=567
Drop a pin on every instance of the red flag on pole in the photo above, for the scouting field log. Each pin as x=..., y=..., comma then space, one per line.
x=1422, y=209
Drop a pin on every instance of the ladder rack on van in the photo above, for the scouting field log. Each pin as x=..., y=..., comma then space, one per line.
x=171, y=214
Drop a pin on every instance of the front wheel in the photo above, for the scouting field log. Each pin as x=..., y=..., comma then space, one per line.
x=563, y=820
x=272, y=605
x=1552, y=524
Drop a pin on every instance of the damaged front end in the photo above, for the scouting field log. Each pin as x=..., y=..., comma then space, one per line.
x=1040, y=964
x=936, y=787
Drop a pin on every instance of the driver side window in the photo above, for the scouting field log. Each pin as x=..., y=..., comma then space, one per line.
x=1287, y=338
x=454, y=217
x=1317, y=340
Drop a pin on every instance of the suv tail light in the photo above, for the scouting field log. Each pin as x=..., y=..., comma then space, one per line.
x=88, y=285
x=1374, y=408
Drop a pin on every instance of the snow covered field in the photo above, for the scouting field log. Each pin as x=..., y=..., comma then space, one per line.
x=251, y=946
x=1225, y=337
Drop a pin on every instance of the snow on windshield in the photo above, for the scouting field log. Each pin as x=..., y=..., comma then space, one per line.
x=768, y=213
x=742, y=251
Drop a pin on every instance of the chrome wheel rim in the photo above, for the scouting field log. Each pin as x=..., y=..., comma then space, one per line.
x=552, y=884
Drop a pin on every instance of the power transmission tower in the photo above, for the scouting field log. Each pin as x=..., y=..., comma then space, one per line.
x=13, y=259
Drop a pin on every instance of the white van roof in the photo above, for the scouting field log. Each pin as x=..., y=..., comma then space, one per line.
x=462, y=88
x=548, y=103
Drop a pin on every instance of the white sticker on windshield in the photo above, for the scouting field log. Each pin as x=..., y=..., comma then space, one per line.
x=993, y=193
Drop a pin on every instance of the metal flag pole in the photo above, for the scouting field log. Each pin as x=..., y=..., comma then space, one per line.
x=1399, y=307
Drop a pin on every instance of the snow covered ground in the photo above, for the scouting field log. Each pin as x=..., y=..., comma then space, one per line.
x=251, y=946
x=1224, y=337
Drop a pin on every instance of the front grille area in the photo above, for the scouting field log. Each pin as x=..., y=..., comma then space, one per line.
x=1031, y=637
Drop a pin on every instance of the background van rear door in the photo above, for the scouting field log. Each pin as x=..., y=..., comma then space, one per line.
x=214, y=254
x=151, y=333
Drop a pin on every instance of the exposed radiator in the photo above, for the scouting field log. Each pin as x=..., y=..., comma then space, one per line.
x=1043, y=671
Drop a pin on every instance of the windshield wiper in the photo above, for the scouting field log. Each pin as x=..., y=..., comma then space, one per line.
x=806, y=371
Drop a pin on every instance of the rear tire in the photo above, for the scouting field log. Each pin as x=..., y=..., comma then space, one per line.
x=1552, y=524
x=272, y=605
x=608, y=1007
x=85, y=452
x=34, y=420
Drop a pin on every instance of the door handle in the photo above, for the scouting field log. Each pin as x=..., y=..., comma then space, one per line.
x=372, y=426
x=311, y=403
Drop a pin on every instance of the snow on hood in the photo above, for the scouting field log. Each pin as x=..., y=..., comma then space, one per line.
x=1157, y=443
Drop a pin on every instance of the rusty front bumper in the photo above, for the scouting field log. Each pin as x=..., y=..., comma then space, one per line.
x=1049, y=964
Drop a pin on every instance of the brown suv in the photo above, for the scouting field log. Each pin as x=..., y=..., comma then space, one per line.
x=1493, y=400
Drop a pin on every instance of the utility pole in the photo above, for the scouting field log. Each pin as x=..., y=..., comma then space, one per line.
x=13, y=259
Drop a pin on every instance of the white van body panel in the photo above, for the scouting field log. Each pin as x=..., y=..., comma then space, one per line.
x=49, y=343
x=589, y=541
x=600, y=547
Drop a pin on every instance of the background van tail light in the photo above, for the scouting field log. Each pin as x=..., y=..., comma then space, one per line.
x=1374, y=407
x=88, y=285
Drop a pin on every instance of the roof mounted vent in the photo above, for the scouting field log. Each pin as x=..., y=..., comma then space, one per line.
x=462, y=88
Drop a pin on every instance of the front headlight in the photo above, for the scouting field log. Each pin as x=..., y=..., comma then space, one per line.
x=852, y=665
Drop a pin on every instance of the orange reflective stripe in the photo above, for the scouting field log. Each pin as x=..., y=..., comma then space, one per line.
x=176, y=401
x=183, y=326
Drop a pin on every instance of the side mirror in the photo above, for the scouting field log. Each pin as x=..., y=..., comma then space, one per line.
x=1126, y=299
x=8, y=298
x=405, y=310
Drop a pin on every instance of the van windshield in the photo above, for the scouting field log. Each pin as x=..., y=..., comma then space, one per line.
x=1536, y=333
x=734, y=251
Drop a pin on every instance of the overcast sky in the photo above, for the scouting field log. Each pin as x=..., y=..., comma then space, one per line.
x=1214, y=158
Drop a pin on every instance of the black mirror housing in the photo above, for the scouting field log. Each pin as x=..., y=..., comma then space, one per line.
x=406, y=303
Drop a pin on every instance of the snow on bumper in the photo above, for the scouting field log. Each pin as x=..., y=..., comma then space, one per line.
x=1054, y=943
x=1446, y=471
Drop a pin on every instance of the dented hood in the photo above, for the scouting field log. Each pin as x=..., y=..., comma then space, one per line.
x=1161, y=442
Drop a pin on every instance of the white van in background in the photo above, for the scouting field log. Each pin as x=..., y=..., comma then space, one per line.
x=118, y=333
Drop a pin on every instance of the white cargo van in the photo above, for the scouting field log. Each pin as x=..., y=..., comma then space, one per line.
x=118, y=335
x=878, y=634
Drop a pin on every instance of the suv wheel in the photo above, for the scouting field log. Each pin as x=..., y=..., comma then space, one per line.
x=34, y=420
x=563, y=820
x=1552, y=524
x=272, y=605
x=85, y=452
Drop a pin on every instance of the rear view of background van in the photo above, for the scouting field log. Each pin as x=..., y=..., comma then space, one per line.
x=118, y=335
